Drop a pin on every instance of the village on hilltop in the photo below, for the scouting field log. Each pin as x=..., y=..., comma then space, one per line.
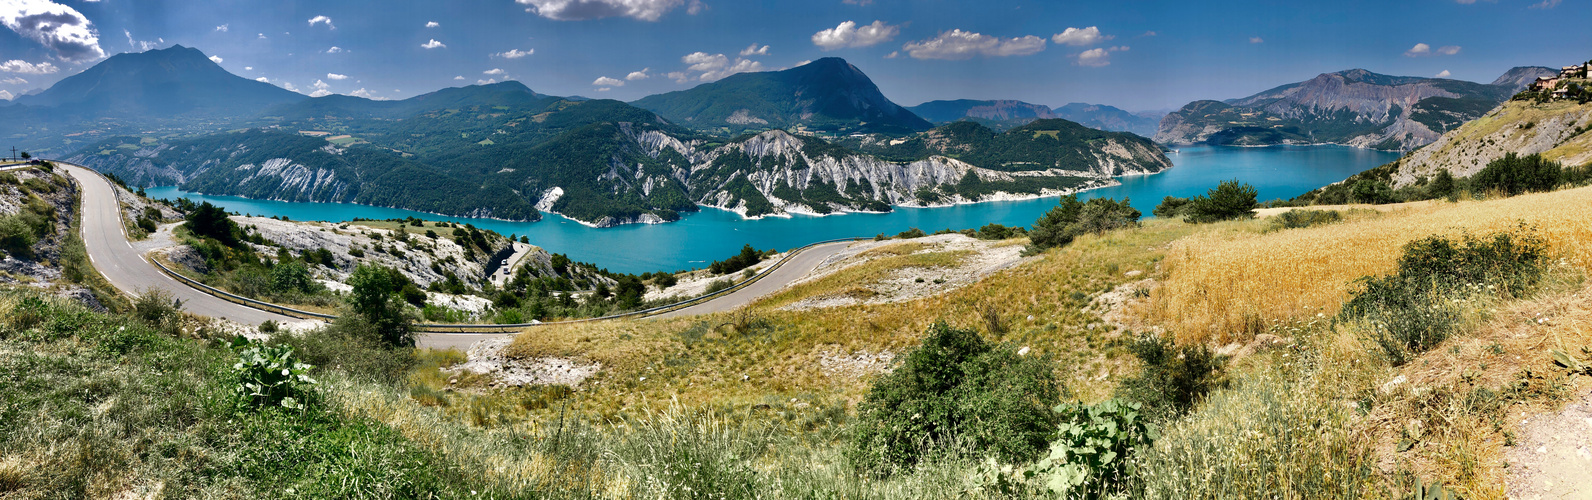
x=1558, y=87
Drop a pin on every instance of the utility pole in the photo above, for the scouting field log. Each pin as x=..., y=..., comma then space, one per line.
x=13, y=153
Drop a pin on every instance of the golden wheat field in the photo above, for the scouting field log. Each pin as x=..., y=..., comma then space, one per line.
x=1230, y=283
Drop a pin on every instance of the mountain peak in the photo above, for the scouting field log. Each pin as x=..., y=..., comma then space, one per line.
x=172, y=81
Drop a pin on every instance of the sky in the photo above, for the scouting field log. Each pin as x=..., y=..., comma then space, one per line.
x=1136, y=55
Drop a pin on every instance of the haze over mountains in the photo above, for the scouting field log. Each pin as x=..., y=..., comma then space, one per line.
x=1003, y=114
x=1353, y=107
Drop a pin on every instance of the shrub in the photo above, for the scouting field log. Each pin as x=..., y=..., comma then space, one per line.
x=748, y=257
x=374, y=299
x=1299, y=219
x=1373, y=191
x=911, y=233
x=1516, y=175
x=718, y=285
x=1173, y=379
x=270, y=375
x=16, y=238
x=1441, y=186
x=1414, y=308
x=955, y=391
x=1229, y=200
x=1072, y=218
x=1092, y=455
x=291, y=276
x=1170, y=206
x=210, y=221
x=351, y=346
x=157, y=308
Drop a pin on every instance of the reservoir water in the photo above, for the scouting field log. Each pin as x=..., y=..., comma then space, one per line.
x=712, y=234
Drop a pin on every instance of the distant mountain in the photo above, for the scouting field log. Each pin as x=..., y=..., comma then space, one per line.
x=1354, y=107
x=1007, y=114
x=510, y=93
x=1042, y=145
x=178, y=81
x=1100, y=116
x=828, y=95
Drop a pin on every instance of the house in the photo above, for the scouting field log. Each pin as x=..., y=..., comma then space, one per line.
x=1544, y=83
x=1579, y=71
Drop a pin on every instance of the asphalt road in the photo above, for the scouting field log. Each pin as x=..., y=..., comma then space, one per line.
x=803, y=263
x=111, y=253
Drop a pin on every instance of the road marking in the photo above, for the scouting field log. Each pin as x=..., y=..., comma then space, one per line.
x=91, y=259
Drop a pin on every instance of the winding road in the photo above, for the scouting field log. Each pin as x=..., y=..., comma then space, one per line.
x=128, y=270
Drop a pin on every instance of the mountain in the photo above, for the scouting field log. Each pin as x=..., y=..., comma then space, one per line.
x=1100, y=116
x=177, y=81
x=828, y=95
x=1006, y=114
x=1354, y=107
x=510, y=93
x=1556, y=129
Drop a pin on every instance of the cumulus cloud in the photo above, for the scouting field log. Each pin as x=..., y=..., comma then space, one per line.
x=493, y=71
x=710, y=67
x=1099, y=56
x=460, y=77
x=754, y=50
x=639, y=75
x=366, y=94
x=223, y=28
x=515, y=53
x=957, y=44
x=703, y=61
x=1149, y=33
x=62, y=29
x=580, y=10
x=1546, y=4
x=604, y=81
x=604, y=89
x=893, y=54
x=1444, y=74
x=322, y=89
x=216, y=59
x=433, y=44
x=678, y=76
x=1080, y=37
x=322, y=20
x=142, y=45
x=488, y=81
x=1256, y=39
x=1423, y=50
x=15, y=80
x=289, y=86
x=335, y=49
x=429, y=24
x=24, y=67
x=248, y=68
x=335, y=76
x=263, y=80
x=6, y=94
x=849, y=35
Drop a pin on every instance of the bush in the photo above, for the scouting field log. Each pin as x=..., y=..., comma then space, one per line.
x=1092, y=456
x=747, y=258
x=911, y=233
x=1170, y=206
x=210, y=221
x=375, y=299
x=351, y=346
x=1414, y=308
x=1173, y=379
x=718, y=285
x=1514, y=175
x=156, y=308
x=1441, y=186
x=16, y=238
x=270, y=375
x=1373, y=192
x=1299, y=219
x=955, y=391
x=292, y=276
x=1072, y=218
x=1229, y=200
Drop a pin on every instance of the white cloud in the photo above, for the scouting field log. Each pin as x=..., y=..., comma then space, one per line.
x=223, y=28
x=1256, y=39
x=754, y=50
x=261, y=36
x=1444, y=74
x=1149, y=33
x=893, y=54
x=514, y=53
x=604, y=81
x=433, y=44
x=957, y=44
x=580, y=10
x=1546, y=4
x=1079, y=37
x=335, y=49
x=335, y=76
x=678, y=76
x=1423, y=50
x=321, y=89
x=488, y=81
x=604, y=89
x=740, y=66
x=460, y=77
x=696, y=7
x=289, y=86
x=216, y=59
x=429, y=24
x=263, y=80
x=21, y=66
x=849, y=35
x=6, y=94
x=702, y=61
x=1098, y=56
x=322, y=19
x=63, y=29
x=366, y=94
x=248, y=68
x=639, y=75
x=493, y=71
x=142, y=45
x=15, y=80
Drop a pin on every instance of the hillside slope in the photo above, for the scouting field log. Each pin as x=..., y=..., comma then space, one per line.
x=827, y=95
x=1559, y=130
x=1354, y=107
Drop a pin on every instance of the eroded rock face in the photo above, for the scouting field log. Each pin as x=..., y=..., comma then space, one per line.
x=1554, y=130
x=486, y=357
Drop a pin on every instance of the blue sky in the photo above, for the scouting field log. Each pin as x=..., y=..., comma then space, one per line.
x=1137, y=55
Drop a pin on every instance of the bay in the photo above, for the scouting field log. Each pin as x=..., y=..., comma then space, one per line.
x=712, y=234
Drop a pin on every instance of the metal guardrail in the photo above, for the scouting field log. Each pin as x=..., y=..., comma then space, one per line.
x=480, y=329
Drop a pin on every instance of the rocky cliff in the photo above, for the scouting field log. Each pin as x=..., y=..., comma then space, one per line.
x=1559, y=130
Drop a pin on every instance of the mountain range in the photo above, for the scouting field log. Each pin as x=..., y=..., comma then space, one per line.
x=1354, y=107
x=505, y=151
x=1004, y=114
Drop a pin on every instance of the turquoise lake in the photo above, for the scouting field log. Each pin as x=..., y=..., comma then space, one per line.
x=712, y=234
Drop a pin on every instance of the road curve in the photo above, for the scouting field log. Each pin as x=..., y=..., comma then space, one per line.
x=113, y=255
x=800, y=264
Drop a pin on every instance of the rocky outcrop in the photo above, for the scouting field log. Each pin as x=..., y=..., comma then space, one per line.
x=1559, y=130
